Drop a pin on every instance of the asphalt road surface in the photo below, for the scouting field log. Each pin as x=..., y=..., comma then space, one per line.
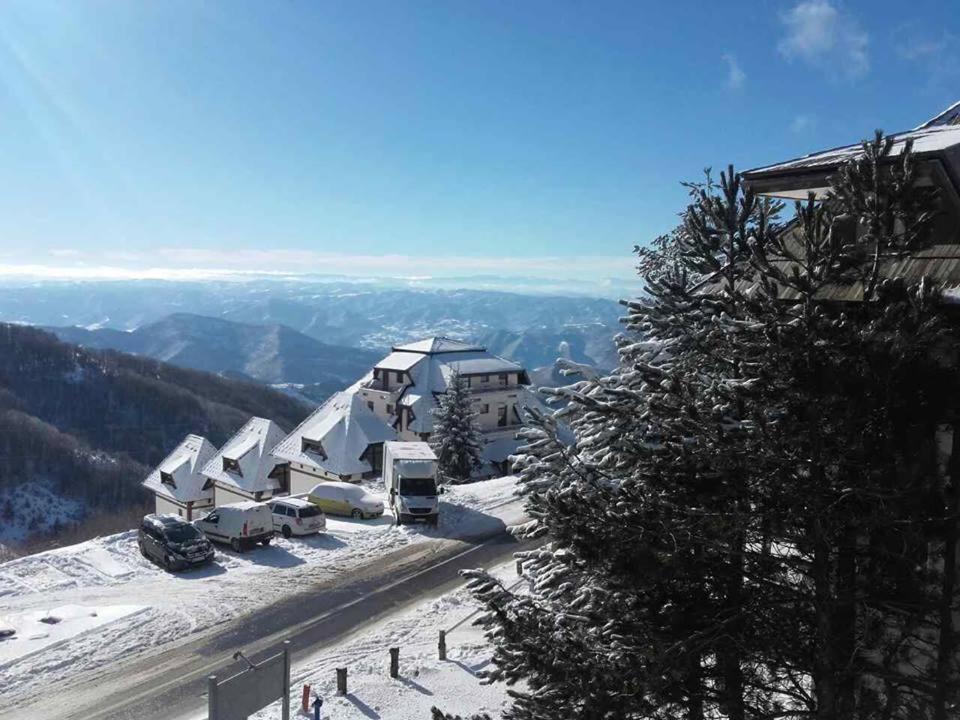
x=172, y=684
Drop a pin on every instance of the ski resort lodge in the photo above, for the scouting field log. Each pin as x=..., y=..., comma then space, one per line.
x=343, y=438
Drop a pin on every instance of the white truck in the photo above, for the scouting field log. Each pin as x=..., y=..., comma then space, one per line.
x=410, y=478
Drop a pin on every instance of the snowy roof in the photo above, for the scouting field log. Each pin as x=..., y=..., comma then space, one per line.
x=940, y=134
x=438, y=344
x=399, y=361
x=250, y=448
x=479, y=363
x=343, y=427
x=184, y=467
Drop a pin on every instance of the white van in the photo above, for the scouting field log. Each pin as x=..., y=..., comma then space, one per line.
x=410, y=477
x=343, y=498
x=242, y=524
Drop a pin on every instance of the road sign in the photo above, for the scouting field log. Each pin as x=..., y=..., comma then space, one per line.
x=252, y=689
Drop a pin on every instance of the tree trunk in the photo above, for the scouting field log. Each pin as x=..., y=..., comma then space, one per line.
x=824, y=679
x=947, y=645
x=844, y=640
x=731, y=671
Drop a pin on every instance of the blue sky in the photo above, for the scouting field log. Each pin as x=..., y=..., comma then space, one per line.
x=423, y=138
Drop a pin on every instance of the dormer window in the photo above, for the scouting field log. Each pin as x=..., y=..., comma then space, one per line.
x=167, y=479
x=312, y=446
x=232, y=466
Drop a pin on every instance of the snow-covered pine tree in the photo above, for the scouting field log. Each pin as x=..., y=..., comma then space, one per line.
x=456, y=438
x=751, y=523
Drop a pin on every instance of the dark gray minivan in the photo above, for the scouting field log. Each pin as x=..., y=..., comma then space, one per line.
x=173, y=543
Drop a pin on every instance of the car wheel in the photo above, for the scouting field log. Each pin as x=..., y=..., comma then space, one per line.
x=265, y=541
x=286, y=532
x=356, y=515
x=236, y=545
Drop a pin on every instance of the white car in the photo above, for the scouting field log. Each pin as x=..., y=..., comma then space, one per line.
x=293, y=516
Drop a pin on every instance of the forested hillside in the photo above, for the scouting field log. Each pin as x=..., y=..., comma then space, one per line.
x=89, y=423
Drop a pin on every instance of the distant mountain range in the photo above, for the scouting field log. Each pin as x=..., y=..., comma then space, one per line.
x=532, y=329
x=87, y=424
x=272, y=354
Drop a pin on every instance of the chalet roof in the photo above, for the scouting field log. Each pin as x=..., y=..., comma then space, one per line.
x=250, y=447
x=184, y=465
x=402, y=361
x=938, y=139
x=344, y=427
x=438, y=344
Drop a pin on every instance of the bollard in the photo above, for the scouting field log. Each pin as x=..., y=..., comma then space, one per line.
x=341, y=681
x=394, y=662
x=442, y=645
x=519, y=567
x=305, y=700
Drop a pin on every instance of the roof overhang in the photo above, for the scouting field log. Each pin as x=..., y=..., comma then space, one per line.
x=797, y=183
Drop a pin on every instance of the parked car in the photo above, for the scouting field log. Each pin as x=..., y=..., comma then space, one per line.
x=343, y=498
x=173, y=542
x=242, y=525
x=295, y=516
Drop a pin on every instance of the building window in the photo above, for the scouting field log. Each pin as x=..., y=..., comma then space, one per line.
x=231, y=465
x=485, y=378
x=370, y=405
x=399, y=377
x=312, y=446
x=389, y=409
x=484, y=409
x=502, y=416
x=167, y=479
x=503, y=379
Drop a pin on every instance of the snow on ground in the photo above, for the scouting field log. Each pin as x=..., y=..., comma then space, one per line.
x=109, y=572
x=39, y=630
x=424, y=682
x=34, y=509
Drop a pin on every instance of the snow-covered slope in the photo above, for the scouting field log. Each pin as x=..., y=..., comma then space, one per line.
x=425, y=681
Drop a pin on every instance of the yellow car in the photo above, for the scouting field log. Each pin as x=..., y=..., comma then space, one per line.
x=343, y=498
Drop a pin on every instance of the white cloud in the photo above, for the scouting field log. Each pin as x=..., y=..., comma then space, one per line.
x=803, y=123
x=736, y=77
x=822, y=35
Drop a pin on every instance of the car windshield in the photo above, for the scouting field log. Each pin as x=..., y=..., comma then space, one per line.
x=312, y=511
x=182, y=533
x=418, y=486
